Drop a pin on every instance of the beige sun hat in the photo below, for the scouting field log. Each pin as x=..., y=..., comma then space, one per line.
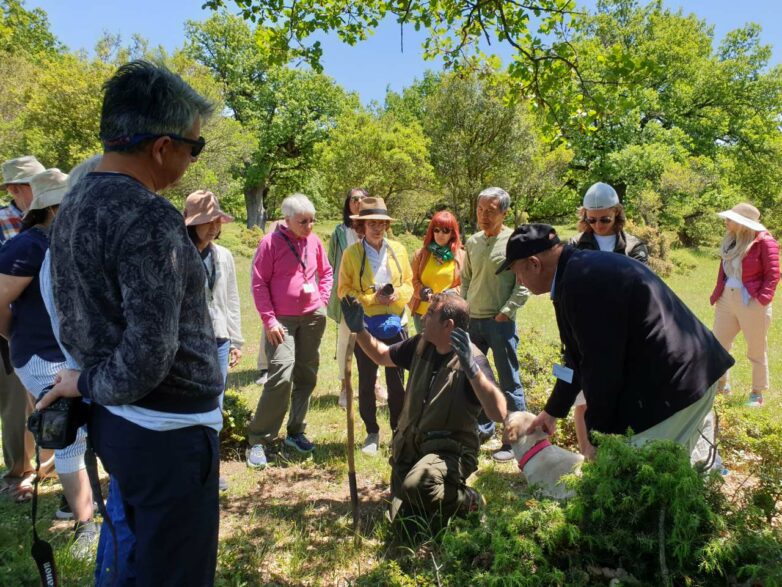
x=372, y=209
x=49, y=188
x=20, y=170
x=201, y=207
x=744, y=214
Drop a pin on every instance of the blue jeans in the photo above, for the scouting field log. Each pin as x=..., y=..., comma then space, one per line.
x=105, y=569
x=502, y=339
x=223, y=354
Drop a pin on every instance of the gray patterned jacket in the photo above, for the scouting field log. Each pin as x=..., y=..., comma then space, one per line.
x=129, y=290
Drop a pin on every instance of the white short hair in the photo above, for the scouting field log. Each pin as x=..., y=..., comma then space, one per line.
x=296, y=204
x=83, y=168
x=496, y=193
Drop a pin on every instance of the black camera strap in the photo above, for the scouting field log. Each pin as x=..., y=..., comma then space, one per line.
x=41, y=550
x=91, y=462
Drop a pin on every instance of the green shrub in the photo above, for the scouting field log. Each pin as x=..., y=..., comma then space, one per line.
x=236, y=417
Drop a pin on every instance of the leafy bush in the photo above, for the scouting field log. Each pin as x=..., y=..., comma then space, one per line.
x=236, y=416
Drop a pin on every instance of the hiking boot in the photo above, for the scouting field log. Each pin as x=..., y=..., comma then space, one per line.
x=64, y=511
x=504, y=455
x=85, y=538
x=472, y=501
x=371, y=444
x=299, y=442
x=222, y=484
x=755, y=400
x=255, y=457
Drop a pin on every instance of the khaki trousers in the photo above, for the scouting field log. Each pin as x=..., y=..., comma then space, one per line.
x=434, y=485
x=15, y=406
x=686, y=427
x=753, y=320
x=293, y=373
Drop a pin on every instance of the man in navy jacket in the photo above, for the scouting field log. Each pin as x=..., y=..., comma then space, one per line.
x=642, y=358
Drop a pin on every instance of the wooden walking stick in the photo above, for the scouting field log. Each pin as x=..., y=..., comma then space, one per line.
x=351, y=437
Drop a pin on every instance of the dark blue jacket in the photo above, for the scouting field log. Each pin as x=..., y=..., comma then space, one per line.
x=637, y=351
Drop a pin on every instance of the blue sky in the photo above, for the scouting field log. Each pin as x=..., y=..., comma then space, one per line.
x=367, y=68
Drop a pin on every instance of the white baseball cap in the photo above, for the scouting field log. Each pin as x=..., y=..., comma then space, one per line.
x=600, y=196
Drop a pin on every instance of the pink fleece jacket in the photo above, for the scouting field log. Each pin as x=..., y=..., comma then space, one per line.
x=279, y=280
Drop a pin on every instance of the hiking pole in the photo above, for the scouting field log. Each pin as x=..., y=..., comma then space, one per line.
x=351, y=437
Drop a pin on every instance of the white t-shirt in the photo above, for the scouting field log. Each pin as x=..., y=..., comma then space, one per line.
x=606, y=243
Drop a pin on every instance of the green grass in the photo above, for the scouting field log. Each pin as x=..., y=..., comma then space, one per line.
x=291, y=524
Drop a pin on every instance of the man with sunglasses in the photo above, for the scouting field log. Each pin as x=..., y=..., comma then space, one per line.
x=129, y=291
x=601, y=221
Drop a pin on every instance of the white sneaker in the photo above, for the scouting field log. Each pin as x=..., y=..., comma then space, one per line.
x=263, y=378
x=371, y=444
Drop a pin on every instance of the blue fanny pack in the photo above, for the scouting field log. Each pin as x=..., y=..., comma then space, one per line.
x=384, y=325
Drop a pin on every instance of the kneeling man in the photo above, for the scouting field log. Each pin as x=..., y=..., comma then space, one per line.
x=435, y=446
x=642, y=358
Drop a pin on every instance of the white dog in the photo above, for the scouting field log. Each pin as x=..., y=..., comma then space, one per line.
x=542, y=463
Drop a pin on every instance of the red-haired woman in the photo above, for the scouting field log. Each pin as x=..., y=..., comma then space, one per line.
x=436, y=265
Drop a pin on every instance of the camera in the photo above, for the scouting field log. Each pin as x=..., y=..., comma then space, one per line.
x=426, y=294
x=56, y=426
x=386, y=290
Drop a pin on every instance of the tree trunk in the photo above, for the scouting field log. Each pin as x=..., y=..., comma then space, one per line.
x=254, y=198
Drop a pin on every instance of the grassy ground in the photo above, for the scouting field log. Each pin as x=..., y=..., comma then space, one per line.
x=291, y=524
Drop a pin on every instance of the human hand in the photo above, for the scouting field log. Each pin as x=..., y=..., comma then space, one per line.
x=233, y=356
x=460, y=342
x=353, y=313
x=545, y=422
x=501, y=318
x=65, y=385
x=589, y=451
x=275, y=335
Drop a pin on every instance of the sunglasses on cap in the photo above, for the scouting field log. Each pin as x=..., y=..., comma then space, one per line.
x=444, y=230
x=601, y=220
x=120, y=143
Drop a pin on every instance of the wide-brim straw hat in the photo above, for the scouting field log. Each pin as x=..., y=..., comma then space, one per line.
x=49, y=188
x=372, y=209
x=20, y=170
x=202, y=207
x=744, y=214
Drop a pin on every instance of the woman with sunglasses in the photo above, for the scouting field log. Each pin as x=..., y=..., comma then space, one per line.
x=601, y=222
x=376, y=271
x=436, y=265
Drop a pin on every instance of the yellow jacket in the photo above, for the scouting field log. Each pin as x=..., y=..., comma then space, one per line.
x=349, y=285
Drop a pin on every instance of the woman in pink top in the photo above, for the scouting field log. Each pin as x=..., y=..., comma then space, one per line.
x=291, y=284
x=747, y=278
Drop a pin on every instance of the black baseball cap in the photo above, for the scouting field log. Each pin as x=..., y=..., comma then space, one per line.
x=528, y=240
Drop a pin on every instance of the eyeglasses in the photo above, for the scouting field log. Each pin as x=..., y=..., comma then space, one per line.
x=120, y=143
x=601, y=220
x=438, y=230
x=306, y=222
x=356, y=198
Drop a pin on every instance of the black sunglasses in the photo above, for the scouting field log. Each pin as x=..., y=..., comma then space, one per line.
x=119, y=143
x=444, y=230
x=602, y=220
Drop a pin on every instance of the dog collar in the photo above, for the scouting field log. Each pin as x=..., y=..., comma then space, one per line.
x=537, y=447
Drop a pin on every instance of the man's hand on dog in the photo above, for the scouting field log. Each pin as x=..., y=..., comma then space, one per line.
x=545, y=422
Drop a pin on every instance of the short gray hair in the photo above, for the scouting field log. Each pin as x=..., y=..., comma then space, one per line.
x=83, y=168
x=498, y=193
x=143, y=98
x=296, y=204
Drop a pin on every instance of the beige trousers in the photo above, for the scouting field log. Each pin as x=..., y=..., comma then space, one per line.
x=753, y=320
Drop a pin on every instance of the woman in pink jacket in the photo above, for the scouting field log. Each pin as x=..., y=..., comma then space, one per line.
x=748, y=276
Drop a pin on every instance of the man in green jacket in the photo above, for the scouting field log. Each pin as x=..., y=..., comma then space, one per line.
x=435, y=446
